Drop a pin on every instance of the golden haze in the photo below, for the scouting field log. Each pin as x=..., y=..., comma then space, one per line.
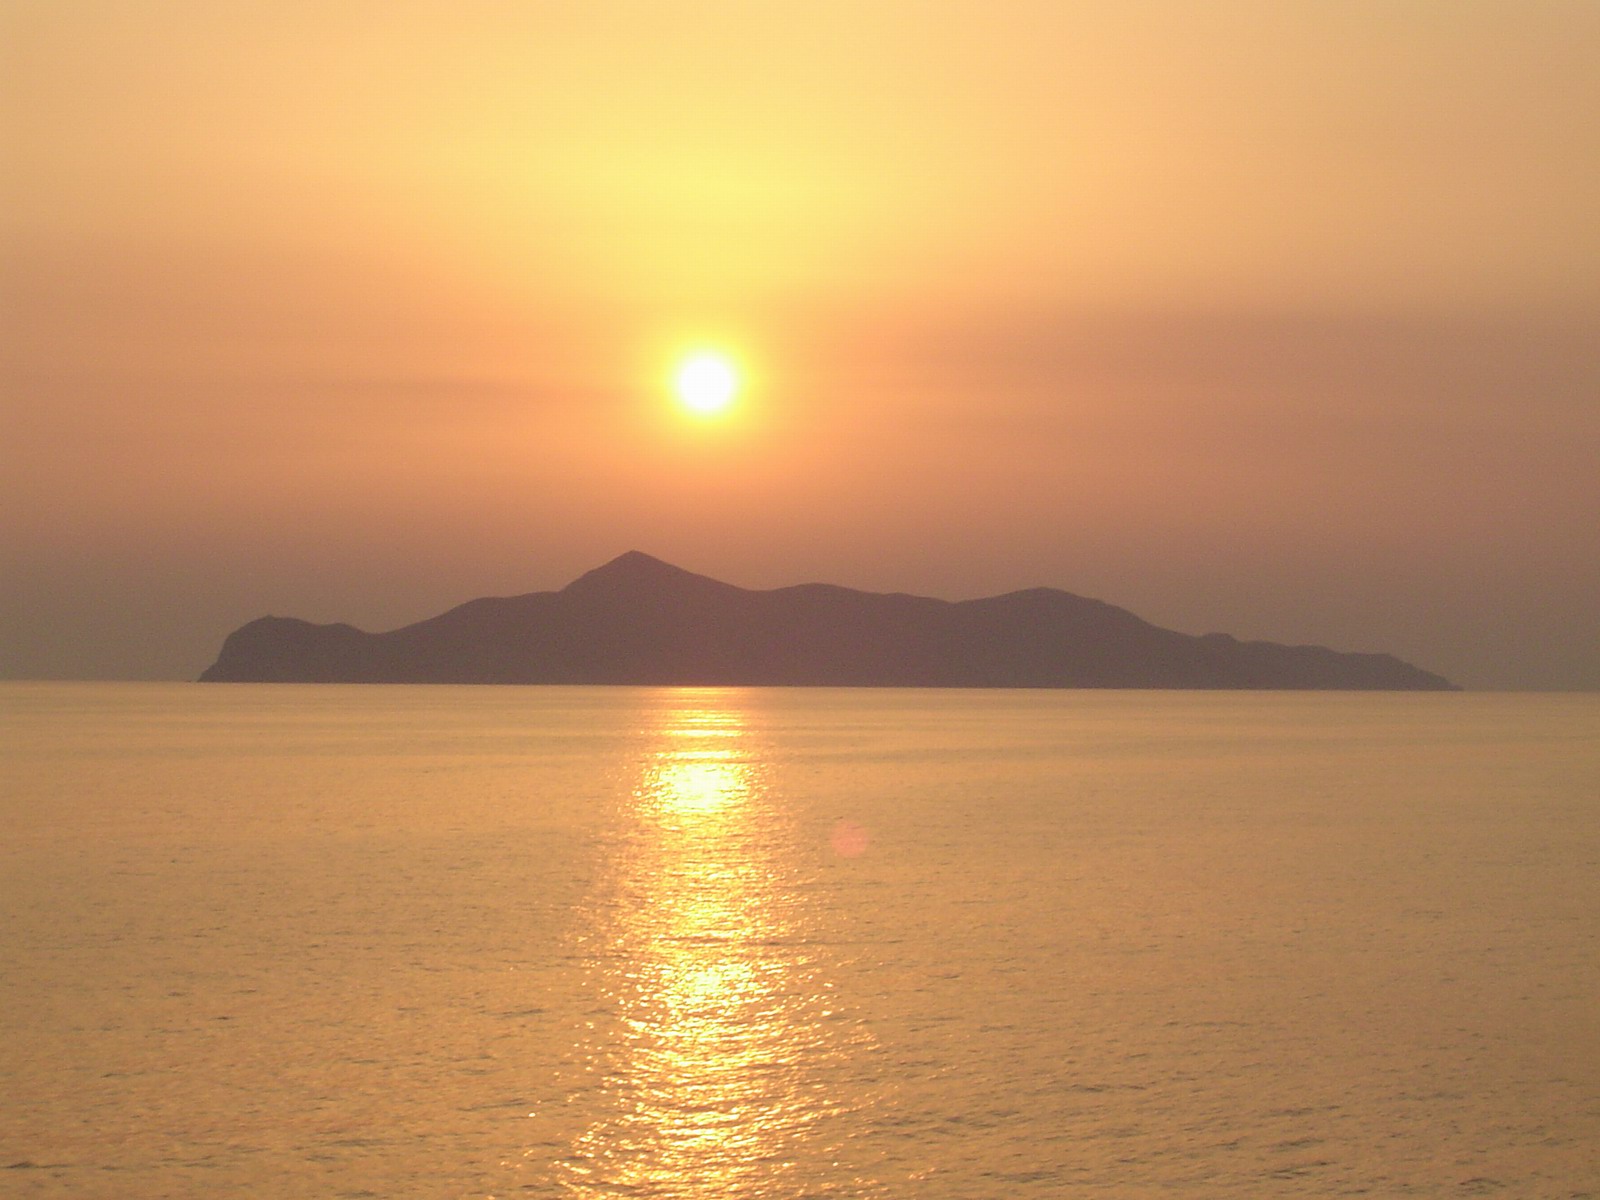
x=1272, y=318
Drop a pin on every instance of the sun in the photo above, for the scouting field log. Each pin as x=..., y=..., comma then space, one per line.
x=706, y=382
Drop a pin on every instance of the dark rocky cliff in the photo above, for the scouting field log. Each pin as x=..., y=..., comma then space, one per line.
x=638, y=620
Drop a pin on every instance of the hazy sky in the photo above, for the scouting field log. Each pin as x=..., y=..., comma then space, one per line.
x=1279, y=318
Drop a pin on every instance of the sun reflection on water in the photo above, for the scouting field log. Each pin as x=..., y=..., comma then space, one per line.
x=714, y=1071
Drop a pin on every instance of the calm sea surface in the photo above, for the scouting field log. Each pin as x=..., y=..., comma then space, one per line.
x=466, y=942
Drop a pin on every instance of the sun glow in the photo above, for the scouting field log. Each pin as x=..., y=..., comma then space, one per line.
x=706, y=383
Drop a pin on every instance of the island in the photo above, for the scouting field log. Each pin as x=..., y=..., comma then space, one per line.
x=640, y=621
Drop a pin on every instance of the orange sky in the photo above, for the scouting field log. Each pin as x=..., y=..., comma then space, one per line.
x=1281, y=319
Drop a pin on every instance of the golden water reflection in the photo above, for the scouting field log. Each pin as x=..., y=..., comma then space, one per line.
x=715, y=1064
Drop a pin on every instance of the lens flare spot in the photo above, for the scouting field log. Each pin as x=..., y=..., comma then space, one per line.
x=849, y=840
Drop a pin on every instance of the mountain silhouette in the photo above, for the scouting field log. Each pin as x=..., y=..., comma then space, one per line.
x=638, y=620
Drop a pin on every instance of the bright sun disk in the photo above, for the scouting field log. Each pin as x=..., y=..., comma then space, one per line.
x=706, y=383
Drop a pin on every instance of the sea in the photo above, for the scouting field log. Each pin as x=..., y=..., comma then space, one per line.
x=351, y=941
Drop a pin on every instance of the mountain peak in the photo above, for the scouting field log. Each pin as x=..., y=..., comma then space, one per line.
x=635, y=562
x=635, y=571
